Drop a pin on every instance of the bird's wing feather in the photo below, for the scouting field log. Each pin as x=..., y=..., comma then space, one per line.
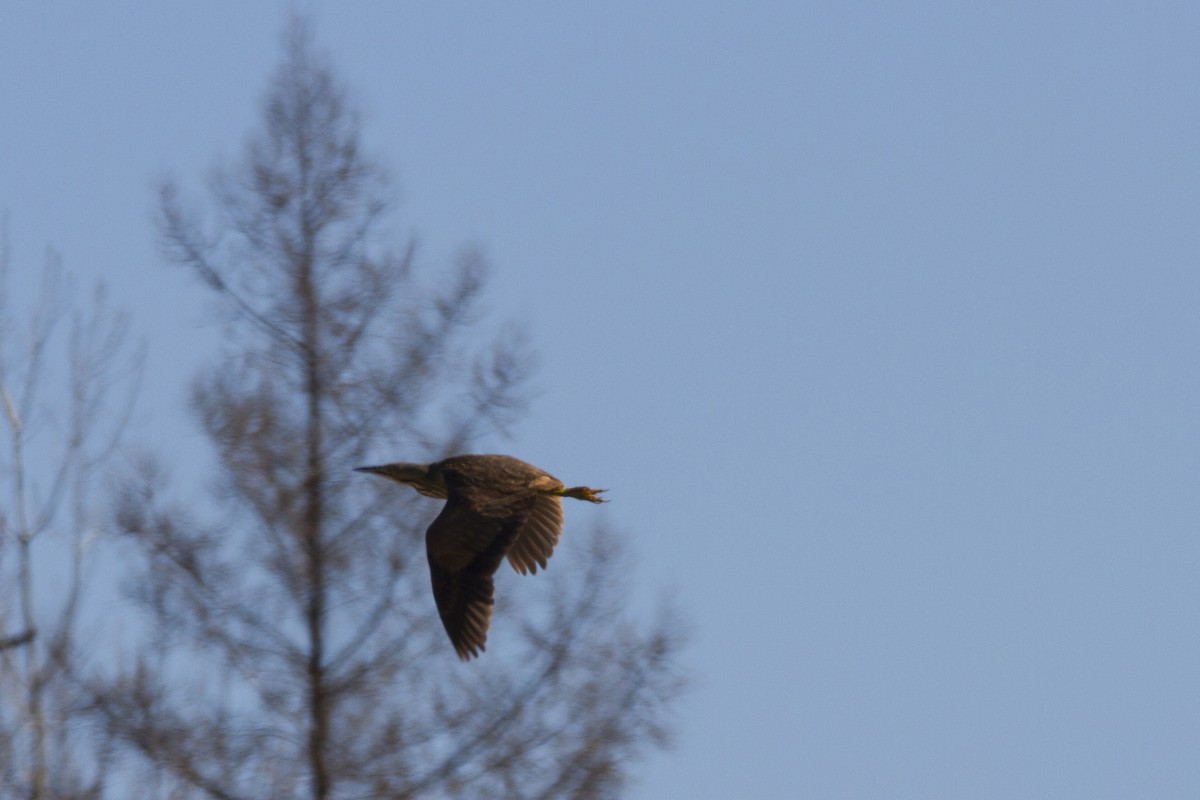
x=465, y=547
x=535, y=542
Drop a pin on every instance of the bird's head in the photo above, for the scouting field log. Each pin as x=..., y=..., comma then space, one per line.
x=423, y=477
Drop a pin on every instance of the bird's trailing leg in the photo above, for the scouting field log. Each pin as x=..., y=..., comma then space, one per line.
x=582, y=493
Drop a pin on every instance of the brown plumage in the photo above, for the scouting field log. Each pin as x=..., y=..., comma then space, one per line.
x=496, y=506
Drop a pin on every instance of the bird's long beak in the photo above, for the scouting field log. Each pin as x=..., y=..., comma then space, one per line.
x=400, y=472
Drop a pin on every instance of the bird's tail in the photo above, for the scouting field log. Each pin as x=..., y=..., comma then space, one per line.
x=583, y=493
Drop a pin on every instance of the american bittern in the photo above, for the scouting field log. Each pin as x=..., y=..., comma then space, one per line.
x=496, y=506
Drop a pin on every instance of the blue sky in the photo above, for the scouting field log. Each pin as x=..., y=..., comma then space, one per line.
x=879, y=322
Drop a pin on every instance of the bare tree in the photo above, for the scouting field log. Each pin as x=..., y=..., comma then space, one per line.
x=61, y=419
x=296, y=651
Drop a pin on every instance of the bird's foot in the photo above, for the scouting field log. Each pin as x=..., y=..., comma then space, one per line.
x=584, y=493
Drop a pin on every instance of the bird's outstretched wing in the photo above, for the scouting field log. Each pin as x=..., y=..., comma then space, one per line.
x=535, y=542
x=465, y=546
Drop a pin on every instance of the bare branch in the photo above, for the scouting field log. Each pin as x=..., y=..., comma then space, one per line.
x=56, y=438
x=17, y=640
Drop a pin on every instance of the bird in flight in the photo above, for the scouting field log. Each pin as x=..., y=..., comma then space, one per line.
x=496, y=507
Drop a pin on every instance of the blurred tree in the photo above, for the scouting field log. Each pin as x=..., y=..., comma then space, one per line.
x=60, y=419
x=296, y=649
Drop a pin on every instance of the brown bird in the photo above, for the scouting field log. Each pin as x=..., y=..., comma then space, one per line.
x=496, y=506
